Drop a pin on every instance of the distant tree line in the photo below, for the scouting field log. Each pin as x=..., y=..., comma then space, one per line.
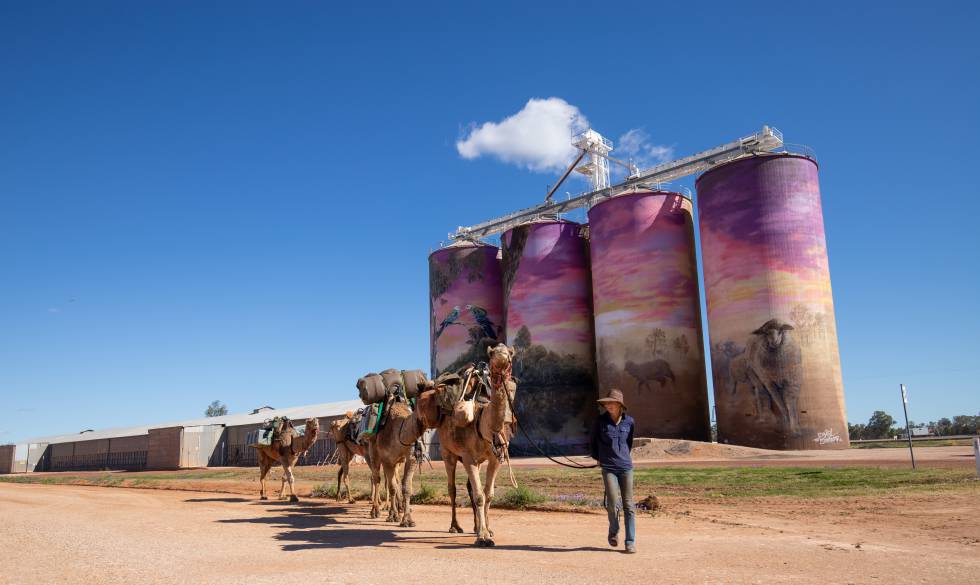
x=881, y=425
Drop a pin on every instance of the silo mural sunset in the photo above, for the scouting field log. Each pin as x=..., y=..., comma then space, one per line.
x=549, y=324
x=647, y=319
x=774, y=353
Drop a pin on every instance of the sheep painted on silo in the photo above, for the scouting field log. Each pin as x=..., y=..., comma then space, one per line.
x=739, y=373
x=774, y=363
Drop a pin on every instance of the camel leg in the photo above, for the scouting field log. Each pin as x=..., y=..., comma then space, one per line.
x=288, y=473
x=350, y=494
x=264, y=467
x=450, y=462
x=375, y=488
x=340, y=478
x=469, y=492
x=493, y=466
x=473, y=472
x=391, y=480
x=407, y=477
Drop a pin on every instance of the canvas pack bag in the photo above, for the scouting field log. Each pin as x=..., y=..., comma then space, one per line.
x=371, y=421
x=371, y=389
x=265, y=436
x=415, y=382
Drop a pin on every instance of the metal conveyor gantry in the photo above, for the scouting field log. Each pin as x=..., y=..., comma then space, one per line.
x=768, y=139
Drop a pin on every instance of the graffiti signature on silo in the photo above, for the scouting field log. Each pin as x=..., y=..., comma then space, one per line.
x=774, y=354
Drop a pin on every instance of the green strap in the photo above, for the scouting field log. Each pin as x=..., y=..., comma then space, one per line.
x=377, y=422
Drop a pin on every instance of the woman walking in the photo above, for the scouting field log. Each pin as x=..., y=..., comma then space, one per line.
x=612, y=439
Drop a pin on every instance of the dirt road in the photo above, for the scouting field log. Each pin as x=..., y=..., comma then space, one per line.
x=72, y=534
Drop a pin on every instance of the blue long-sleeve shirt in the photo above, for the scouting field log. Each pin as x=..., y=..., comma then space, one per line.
x=611, y=443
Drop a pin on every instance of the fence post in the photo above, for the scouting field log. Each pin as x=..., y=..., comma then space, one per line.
x=976, y=454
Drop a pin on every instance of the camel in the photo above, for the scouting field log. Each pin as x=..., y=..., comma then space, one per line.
x=346, y=449
x=472, y=445
x=390, y=451
x=285, y=451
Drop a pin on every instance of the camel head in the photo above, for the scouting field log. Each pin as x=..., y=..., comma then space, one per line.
x=312, y=429
x=500, y=356
x=338, y=428
x=427, y=409
x=774, y=333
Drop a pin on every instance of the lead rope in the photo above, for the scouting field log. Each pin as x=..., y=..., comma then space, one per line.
x=572, y=464
x=510, y=468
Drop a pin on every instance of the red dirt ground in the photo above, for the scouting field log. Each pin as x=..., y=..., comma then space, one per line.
x=74, y=534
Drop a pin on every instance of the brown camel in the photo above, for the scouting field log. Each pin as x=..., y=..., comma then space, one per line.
x=346, y=449
x=389, y=452
x=285, y=451
x=472, y=444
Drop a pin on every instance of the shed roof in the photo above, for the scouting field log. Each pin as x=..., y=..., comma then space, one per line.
x=327, y=409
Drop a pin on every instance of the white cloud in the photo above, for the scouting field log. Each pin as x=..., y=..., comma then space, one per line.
x=636, y=145
x=537, y=138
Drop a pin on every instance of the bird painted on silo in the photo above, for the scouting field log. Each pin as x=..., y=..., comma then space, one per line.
x=449, y=320
x=480, y=314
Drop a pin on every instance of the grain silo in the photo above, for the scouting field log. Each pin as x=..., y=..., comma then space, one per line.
x=548, y=312
x=647, y=315
x=465, y=304
x=774, y=352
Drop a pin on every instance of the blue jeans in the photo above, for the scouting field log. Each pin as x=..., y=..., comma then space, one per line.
x=619, y=496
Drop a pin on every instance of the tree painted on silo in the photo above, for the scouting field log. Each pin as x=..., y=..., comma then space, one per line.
x=647, y=312
x=774, y=355
x=465, y=305
x=547, y=304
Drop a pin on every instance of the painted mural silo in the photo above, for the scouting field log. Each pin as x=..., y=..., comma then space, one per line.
x=548, y=311
x=774, y=352
x=647, y=313
x=465, y=305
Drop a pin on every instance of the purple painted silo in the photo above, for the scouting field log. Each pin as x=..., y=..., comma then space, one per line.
x=466, y=305
x=774, y=354
x=647, y=312
x=548, y=310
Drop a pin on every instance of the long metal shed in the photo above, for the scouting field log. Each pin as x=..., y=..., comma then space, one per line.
x=202, y=442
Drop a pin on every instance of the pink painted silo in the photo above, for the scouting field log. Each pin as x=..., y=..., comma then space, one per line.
x=774, y=354
x=647, y=312
x=548, y=308
x=465, y=305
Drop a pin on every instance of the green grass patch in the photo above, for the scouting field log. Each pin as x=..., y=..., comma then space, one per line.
x=904, y=444
x=426, y=494
x=793, y=481
x=324, y=490
x=520, y=498
x=544, y=486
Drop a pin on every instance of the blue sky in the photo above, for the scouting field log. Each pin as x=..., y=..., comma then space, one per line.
x=235, y=201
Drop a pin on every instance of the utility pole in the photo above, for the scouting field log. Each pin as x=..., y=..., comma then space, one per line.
x=908, y=429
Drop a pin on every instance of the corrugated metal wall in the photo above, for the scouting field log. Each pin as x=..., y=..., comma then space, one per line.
x=164, y=448
x=199, y=445
x=7, y=458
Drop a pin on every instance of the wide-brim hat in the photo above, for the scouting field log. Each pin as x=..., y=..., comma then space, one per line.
x=614, y=396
